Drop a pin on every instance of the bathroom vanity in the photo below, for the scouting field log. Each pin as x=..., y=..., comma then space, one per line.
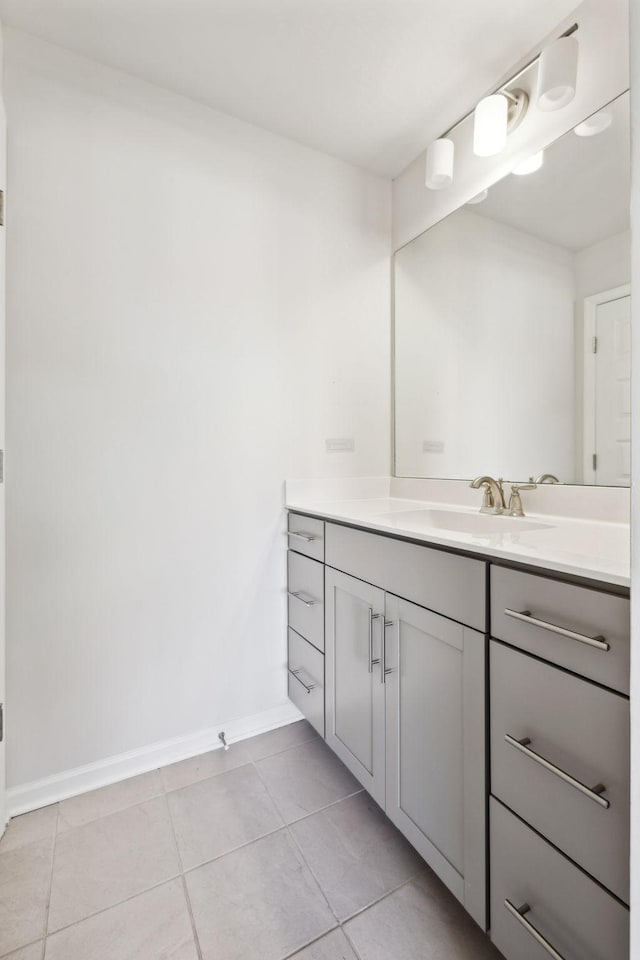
x=468, y=658
x=480, y=694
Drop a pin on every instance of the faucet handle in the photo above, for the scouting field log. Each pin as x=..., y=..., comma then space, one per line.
x=515, y=503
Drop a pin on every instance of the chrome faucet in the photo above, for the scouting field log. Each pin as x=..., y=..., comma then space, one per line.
x=515, y=503
x=493, y=500
x=546, y=478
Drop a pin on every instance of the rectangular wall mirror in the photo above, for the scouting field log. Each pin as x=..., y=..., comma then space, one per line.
x=512, y=323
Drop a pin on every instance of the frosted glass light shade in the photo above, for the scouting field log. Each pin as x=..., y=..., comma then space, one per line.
x=530, y=165
x=557, y=73
x=439, y=171
x=594, y=125
x=490, y=125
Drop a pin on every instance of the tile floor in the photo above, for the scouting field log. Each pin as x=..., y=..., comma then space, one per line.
x=265, y=852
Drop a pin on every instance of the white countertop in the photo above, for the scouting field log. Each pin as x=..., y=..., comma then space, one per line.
x=582, y=547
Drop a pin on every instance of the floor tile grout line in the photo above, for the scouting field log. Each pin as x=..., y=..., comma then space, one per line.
x=112, y=906
x=373, y=903
x=220, y=773
x=312, y=813
x=327, y=806
x=306, y=946
x=277, y=753
x=211, y=776
x=388, y=893
x=304, y=860
x=25, y=946
x=350, y=942
x=53, y=863
x=194, y=929
x=183, y=881
x=167, y=793
x=228, y=853
x=111, y=813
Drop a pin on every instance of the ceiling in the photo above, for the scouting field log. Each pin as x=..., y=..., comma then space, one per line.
x=579, y=196
x=368, y=81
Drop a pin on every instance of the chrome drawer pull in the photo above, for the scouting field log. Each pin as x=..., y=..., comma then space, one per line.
x=307, y=537
x=384, y=672
x=592, y=792
x=298, y=596
x=372, y=616
x=525, y=615
x=519, y=914
x=308, y=686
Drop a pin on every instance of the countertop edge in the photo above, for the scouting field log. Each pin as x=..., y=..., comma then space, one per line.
x=590, y=574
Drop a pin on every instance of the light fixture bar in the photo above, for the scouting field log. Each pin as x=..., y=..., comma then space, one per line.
x=502, y=89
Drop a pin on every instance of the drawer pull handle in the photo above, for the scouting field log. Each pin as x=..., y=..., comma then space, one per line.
x=373, y=616
x=298, y=596
x=308, y=686
x=307, y=537
x=525, y=615
x=384, y=671
x=594, y=793
x=520, y=914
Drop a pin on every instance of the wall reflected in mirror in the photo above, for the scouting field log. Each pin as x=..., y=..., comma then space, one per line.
x=512, y=322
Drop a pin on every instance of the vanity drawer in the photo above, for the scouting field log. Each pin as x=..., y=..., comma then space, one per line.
x=443, y=582
x=306, y=535
x=579, y=919
x=567, y=618
x=583, y=732
x=306, y=680
x=305, y=579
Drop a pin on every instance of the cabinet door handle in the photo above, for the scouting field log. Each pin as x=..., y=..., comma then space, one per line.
x=308, y=686
x=592, y=792
x=307, y=537
x=372, y=616
x=298, y=596
x=384, y=672
x=520, y=914
x=526, y=616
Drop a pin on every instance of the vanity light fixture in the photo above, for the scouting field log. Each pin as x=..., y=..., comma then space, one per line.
x=592, y=125
x=497, y=115
x=557, y=73
x=530, y=165
x=494, y=118
x=490, y=120
x=439, y=172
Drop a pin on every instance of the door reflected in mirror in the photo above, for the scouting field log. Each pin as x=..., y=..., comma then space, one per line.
x=512, y=322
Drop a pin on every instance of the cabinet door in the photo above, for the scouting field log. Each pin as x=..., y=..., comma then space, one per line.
x=435, y=729
x=355, y=713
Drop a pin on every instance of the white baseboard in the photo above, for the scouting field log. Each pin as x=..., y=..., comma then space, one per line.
x=69, y=783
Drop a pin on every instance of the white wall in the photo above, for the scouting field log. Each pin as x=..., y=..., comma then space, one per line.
x=194, y=306
x=484, y=352
x=604, y=265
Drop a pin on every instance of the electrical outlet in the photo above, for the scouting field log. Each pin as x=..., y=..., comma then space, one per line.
x=340, y=445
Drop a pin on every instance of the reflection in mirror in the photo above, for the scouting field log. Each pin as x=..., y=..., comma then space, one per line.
x=512, y=332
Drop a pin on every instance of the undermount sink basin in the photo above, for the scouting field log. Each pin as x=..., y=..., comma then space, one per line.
x=462, y=522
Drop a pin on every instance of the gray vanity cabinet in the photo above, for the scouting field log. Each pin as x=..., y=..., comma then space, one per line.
x=435, y=712
x=405, y=700
x=355, y=703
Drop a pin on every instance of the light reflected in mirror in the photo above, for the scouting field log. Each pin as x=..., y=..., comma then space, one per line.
x=512, y=322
